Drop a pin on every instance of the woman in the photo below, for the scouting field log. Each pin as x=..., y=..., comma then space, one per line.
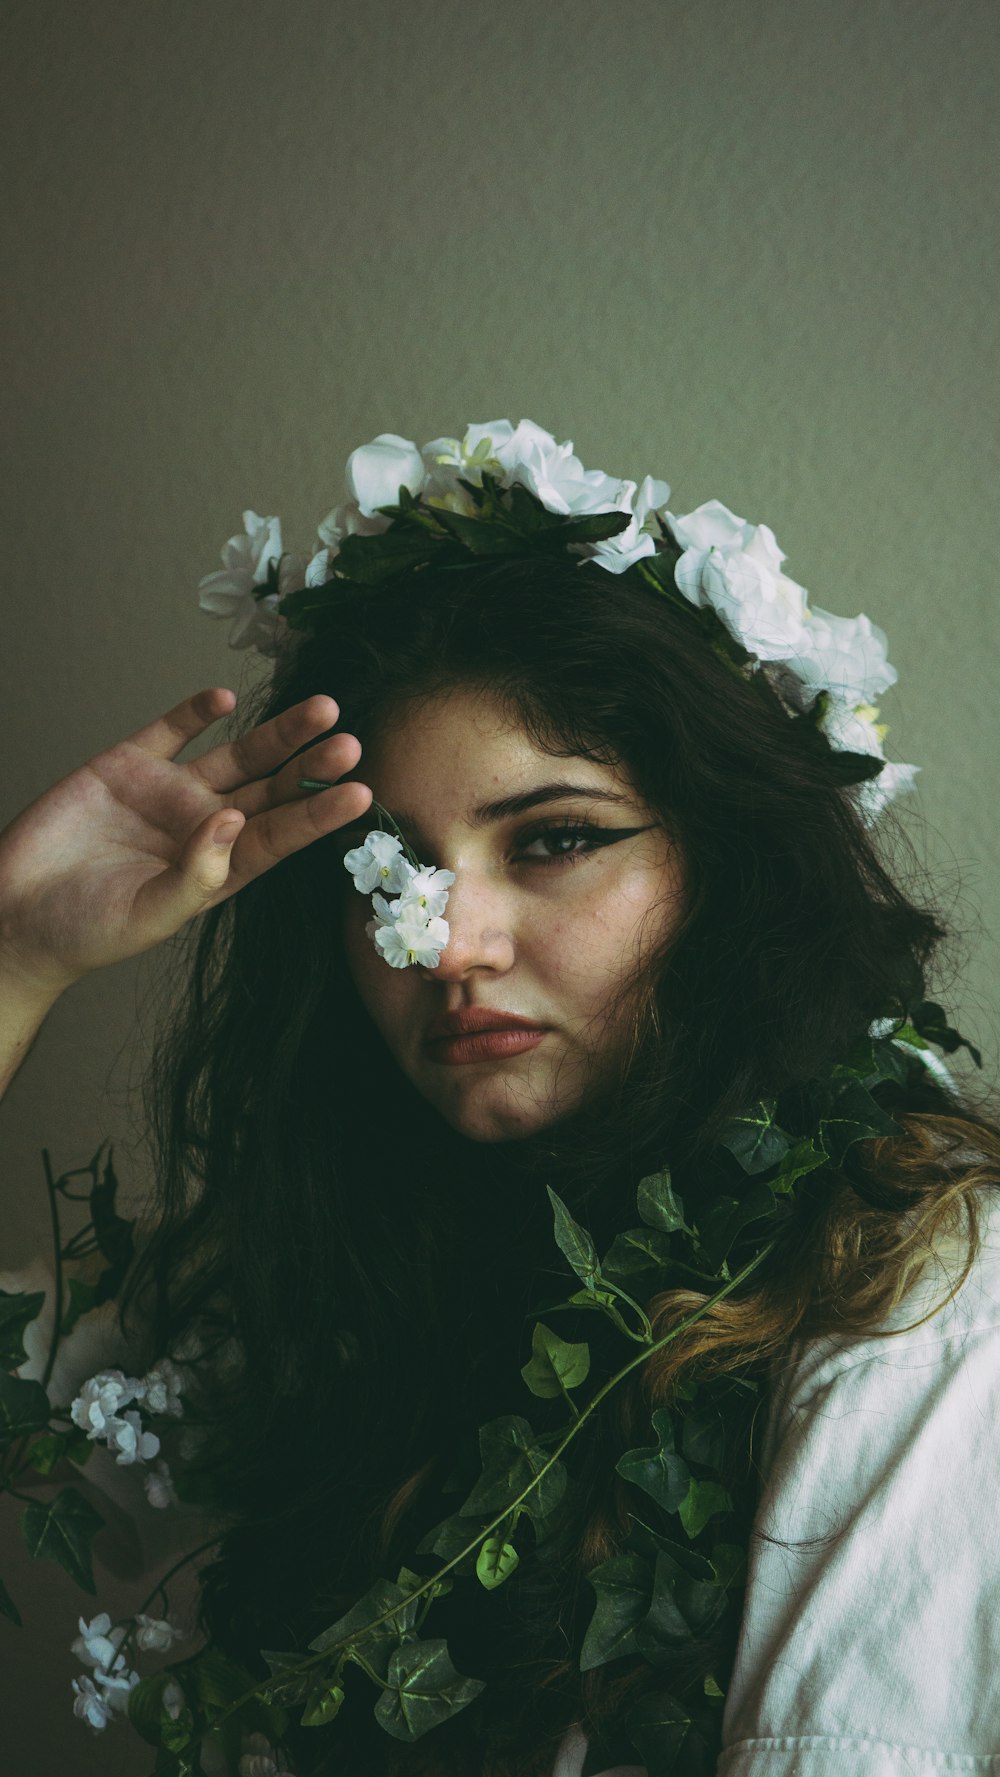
x=670, y=939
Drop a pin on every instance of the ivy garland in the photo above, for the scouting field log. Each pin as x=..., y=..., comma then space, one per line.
x=681, y=1576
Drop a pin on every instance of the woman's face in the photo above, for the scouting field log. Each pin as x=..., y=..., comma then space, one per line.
x=564, y=882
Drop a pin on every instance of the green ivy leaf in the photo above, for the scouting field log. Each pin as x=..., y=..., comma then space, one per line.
x=756, y=1142
x=17, y=1310
x=497, y=1560
x=425, y=1690
x=670, y=1739
x=286, y=1671
x=659, y=1471
x=703, y=1435
x=46, y=1451
x=703, y=1500
x=63, y=1531
x=7, y=1606
x=448, y=1538
x=324, y=1705
x=855, y=1116
x=82, y=1298
x=682, y=1609
x=729, y=1564
x=801, y=1159
x=575, y=1243
x=728, y=1216
x=512, y=1460
x=555, y=1364
x=624, y=1587
x=24, y=1408
x=658, y=1204
x=378, y=1647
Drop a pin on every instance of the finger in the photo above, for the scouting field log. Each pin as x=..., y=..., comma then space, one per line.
x=328, y=759
x=263, y=749
x=169, y=734
x=194, y=882
x=278, y=832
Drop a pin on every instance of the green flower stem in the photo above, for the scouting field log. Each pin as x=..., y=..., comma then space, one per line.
x=50, y=1184
x=390, y=826
x=640, y=1358
x=159, y=1590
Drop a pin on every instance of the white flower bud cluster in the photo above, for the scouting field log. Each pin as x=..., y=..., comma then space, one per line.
x=411, y=928
x=98, y=1699
x=98, y=1410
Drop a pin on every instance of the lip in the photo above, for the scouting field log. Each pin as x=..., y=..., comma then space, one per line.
x=455, y=1039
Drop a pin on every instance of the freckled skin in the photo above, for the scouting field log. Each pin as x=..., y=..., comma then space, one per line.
x=548, y=938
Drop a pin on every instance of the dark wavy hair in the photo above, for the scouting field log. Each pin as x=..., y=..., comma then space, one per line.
x=375, y=1272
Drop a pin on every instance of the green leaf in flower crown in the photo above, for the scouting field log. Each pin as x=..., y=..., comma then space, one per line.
x=7, y=1606
x=24, y=1407
x=756, y=1141
x=854, y=1116
x=62, y=1530
x=425, y=1689
x=378, y=1647
x=575, y=1242
x=17, y=1309
x=642, y=1260
x=592, y=527
x=660, y=1470
x=728, y=1216
x=673, y=1739
x=290, y=1681
x=512, y=1460
x=497, y=1559
x=658, y=1205
x=624, y=1587
x=555, y=1363
x=703, y=1501
x=481, y=537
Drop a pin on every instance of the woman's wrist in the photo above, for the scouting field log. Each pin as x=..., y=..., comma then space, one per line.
x=25, y=1002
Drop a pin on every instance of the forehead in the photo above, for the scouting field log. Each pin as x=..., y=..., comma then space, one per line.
x=464, y=746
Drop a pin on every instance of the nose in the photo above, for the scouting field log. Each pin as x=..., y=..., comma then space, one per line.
x=480, y=930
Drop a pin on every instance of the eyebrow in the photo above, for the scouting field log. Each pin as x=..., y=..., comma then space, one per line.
x=508, y=806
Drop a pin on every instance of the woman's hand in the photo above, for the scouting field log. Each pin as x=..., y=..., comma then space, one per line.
x=120, y=854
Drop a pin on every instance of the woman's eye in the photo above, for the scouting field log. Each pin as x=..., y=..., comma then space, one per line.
x=552, y=845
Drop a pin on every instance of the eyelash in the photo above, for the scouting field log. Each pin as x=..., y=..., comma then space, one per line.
x=599, y=837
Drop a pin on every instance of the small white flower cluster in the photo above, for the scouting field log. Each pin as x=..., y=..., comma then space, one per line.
x=410, y=929
x=98, y=1699
x=97, y=1410
x=726, y=563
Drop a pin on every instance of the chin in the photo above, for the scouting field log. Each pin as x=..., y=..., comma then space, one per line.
x=493, y=1112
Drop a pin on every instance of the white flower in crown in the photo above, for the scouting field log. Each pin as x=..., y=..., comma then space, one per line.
x=425, y=889
x=255, y=622
x=159, y=1486
x=162, y=1387
x=854, y=728
x=845, y=655
x=735, y=567
x=156, y=1635
x=130, y=1443
x=100, y=1400
x=97, y=1643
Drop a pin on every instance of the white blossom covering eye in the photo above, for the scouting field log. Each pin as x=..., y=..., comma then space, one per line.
x=96, y=1699
x=726, y=563
x=378, y=864
x=162, y=1389
x=156, y=1635
x=410, y=930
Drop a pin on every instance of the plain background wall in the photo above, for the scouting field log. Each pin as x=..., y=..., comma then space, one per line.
x=748, y=246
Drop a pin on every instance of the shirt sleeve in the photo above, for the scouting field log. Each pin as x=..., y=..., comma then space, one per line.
x=870, y=1642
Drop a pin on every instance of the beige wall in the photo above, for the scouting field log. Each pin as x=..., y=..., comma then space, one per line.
x=746, y=245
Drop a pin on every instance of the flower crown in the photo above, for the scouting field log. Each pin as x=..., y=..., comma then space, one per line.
x=511, y=491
